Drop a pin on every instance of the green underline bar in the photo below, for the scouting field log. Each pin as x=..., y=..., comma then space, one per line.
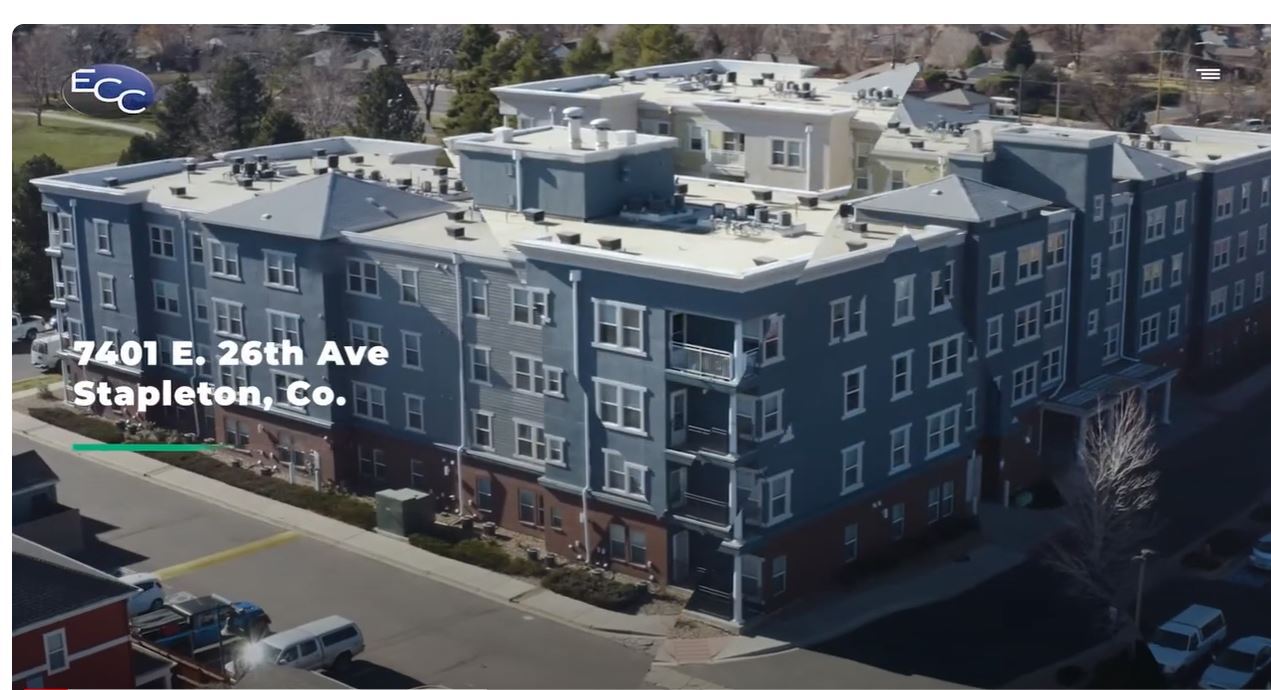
x=143, y=447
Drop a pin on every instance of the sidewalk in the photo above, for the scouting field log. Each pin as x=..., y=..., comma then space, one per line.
x=495, y=586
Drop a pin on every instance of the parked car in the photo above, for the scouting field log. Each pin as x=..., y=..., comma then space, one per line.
x=26, y=327
x=1261, y=556
x=1244, y=664
x=149, y=596
x=45, y=352
x=1187, y=638
x=327, y=643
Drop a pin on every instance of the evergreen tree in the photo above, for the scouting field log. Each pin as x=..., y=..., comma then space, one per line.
x=279, y=127
x=178, y=118
x=32, y=273
x=241, y=101
x=588, y=57
x=143, y=148
x=1019, y=54
x=638, y=45
x=535, y=63
x=386, y=109
x=473, y=108
x=975, y=56
x=477, y=40
x=712, y=43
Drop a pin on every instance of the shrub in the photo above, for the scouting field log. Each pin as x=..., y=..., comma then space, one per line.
x=92, y=427
x=43, y=392
x=1227, y=543
x=597, y=591
x=478, y=552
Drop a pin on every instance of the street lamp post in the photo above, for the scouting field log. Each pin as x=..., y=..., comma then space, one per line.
x=1141, y=557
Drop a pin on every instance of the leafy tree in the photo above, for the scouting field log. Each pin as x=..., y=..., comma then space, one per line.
x=178, y=118
x=477, y=40
x=32, y=274
x=975, y=56
x=651, y=44
x=386, y=109
x=935, y=79
x=588, y=57
x=101, y=43
x=535, y=63
x=1019, y=53
x=241, y=102
x=142, y=148
x=279, y=127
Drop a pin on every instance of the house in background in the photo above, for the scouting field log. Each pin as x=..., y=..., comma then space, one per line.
x=362, y=61
x=36, y=513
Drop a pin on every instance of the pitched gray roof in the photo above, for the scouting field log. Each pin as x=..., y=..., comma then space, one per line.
x=916, y=112
x=47, y=584
x=29, y=469
x=326, y=206
x=1129, y=163
x=898, y=80
x=959, y=98
x=953, y=198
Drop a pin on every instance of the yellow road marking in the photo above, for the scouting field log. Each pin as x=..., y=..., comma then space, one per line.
x=180, y=569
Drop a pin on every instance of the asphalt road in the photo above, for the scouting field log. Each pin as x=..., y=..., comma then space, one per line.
x=417, y=631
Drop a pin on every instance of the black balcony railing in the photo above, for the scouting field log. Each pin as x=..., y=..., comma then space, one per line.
x=705, y=509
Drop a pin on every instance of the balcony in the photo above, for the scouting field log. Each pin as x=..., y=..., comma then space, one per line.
x=705, y=509
x=699, y=497
x=708, y=363
x=721, y=158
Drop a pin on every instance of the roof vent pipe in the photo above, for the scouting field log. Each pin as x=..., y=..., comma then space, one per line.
x=574, y=121
x=602, y=127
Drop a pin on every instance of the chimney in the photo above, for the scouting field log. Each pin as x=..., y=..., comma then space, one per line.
x=574, y=121
x=613, y=244
x=503, y=135
x=455, y=231
x=569, y=237
x=602, y=127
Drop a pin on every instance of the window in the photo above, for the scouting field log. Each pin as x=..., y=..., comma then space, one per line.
x=70, y=277
x=414, y=412
x=555, y=381
x=527, y=374
x=620, y=326
x=483, y=430
x=778, y=575
x=408, y=282
x=851, y=542
x=1149, y=331
x=620, y=406
x=165, y=351
x=942, y=288
x=65, y=235
x=556, y=450
x=862, y=168
x=854, y=392
x=901, y=374
x=942, y=429
x=200, y=304
x=412, y=350
x=55, y=656
x=1052, y=366
x=779, y=504
x=787, y=153
x=946, y=498
x=933, y=504
x=993, y=341
x=624, y=477
x=106, y=286
x=1116, y=236
x=280, y=271
x=531, y=441
x=771, y=349
x=1238, y=295
x=237, y=433
x=166, y=297
x=1096, y=266
x=1242, y=246
x=417, y=474
x=639, y=547
x=1098, y=207
x=1154, y=224
x=1262, y=239
x=897, y=180
x=618, y=541
x=1027, y=320
x=1092, y=322
x=283, y=327
x=283, y=381
x=225, y=260
x=852, y=477
x=557, y=522
x=1176, y=270
x=233, y=375
x=945, y=360
x=1057, y=248
x=1258, y=280
x=899, y=453
x=695, y=138
x=971, y=410
x=847, y=319
x=204, y=369
x=1180, y=216
x=1172, y=323
x=1153, y=277
x=1222, y=205
x=1112, y=342
x=363, y=277
x=196, y=248
x=478, y=297
x=1246, y=193
x=162, y=243
x=1054, y=312
x=480, y=357
x=1024, y=384
x=1266, y=191
x=767, y=410
x=904, y=309
x=997, y=267
x=101, y=229
x=485, y=493
x=363, y=334
x=529, y=306
x=368, y=402
x=1114, y=286
x=370, y=462
x=897, y=517
x=1028, y=262
x=1222, y=253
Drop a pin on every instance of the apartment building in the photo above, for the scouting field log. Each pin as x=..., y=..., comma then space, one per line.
x=742, y=389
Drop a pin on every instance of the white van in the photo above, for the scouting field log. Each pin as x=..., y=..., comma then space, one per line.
x=330, y=642
x=46, y=351
x=1187, y=638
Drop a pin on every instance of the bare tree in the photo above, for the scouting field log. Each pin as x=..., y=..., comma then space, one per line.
x=40, y=63
x=1108, y=93
x=325, y=92
x=429, y=53
x=1110, y=494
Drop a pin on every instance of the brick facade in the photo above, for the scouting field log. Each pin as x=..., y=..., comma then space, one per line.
x=110, y=667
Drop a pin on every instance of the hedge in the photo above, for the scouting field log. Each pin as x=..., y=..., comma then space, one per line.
x=480, y=553
x=91, y=427
x=580, y=584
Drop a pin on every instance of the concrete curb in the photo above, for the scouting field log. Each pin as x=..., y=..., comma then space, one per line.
x=487, y=584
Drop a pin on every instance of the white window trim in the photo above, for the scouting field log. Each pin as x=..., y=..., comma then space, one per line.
x=98, y=224
x=537, y=431
x=619, y=307
x=785, y=154
x=956, y=410
x=847, y=414
x=897, y=282
x=150, y=239
x=419, y=338
x=907, y=430
x=113, y=304
x=988, y=330
x=369, y=388
x=1025, y=310
x=227, y=248
x=284, y=315
x=997, y=264
x=423, y=417
x=1040, y=246
x=547, y=306
x=401, y=284
x=848, y=334
x=366, y=327
x=771, y=519
x=937, y=283
x=909, y=375
x=475, y=414
x=60, y=633
x=957, y=364
x=478, y=287
x=617, y=426
x=763, y=401
x=363, y=263
x=533, y=360
x=268, y=254
x=859, y=449
x=171, y=290
x=627, y=468
x=472, y=365
x=280, y=400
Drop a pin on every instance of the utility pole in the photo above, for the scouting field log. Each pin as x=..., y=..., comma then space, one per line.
x=1160, y=82
x=1019, y=97
x=1058, y=94
x=1142, y=557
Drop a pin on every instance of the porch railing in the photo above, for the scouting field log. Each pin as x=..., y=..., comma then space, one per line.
x=708, y=362
x=705, y=508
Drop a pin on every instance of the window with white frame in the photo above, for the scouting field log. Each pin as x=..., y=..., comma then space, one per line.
x=1054, y=311
x=1024, y=384
x=771, y=343
x=282, y=381
x=1112, y=342
x=1238, y=295
x=234, y=376
x=363, y=334
x=847, y=319
x=853, y=457
x=1114, y=286
x=1052, y=366
x=1222, y=203
x=280, y=270
x=283, y=327
x=225, y=262
x=993, y=338
x=1153, y=277
x=1222, y=254
x=1028, y=262
x=696, y=137
x=370, y=462
x=478, y=297
x=1098, y=207
x=945, y=359
x=166, y=297
x=1172, y=324
x=1149, y=331
x=196, y=248
x=787, y=153
x=620, y=406
x=556, y=450
x=527, y=374
x=1092, y=322
x=1262, y=239
x=1258, y=279
x=997, y=270
x=862, y=166
x=479, y=356
x=110, y=335
x=362, y=277
x=531, y=441
x=101, y=232
x=1242, y=245
x=1096, y=265
x=70, y=278
x=165, y=350
x=1154, y=224
x=529, y=306
x=412, y=350
x=1116, y=236
x=75, y=328
x=1266, y=191
x=971, y=411
x=204, y=369
x=904, y=301
x=162, y=242
x=1057, y=248
x=779, y=500
x=554, y=378
x=620, y=326
x=106, y=290
x=1028, y=323
x=899, y=450
x=56, y=657
x=414, y=405
x=1176, y=270
x=768, y=415
x=942, y=288
x=368, y=402
x=625, y=477
x=897, y=179
x=902, y=374
x=942, y=430
x=1180, y=216
x=482, y=430
x=1246, y=194
x=853, y=392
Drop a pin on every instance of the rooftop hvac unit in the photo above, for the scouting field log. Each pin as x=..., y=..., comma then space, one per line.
x=249, y=168
x=785, y=219
x=756, y=81
x=177, y=191
x=333, y=162
x=376, y=175
x=534, y=215
x=807, y=201
x=768, y=75
x=191, y=166
x=569, y=237
x=110, y=181
x=403, y=182
x=426, y=186
x=455, y=231
x=359, y=173
x=356, y=159
x=403, y=511
x=762, y=214
x=762, y=194
x=613, y=244
x=442, y=186
x=237, y=159
x=456, y=215
x=459, y=186
x=717, y=210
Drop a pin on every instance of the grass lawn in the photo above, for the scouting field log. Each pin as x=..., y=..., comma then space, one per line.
x=71, y=144
x=36, y=381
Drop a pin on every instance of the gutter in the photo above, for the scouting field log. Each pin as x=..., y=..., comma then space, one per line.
x=463, y=398
x=576, y=277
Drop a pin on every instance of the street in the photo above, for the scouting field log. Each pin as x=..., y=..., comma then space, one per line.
x=22, y=367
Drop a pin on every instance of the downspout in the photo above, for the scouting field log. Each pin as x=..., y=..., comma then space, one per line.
x=576, y=277
x=807, y=147
x=1069, y=324
x=189, y=317
x=1125, y=281
x=463, y=403
x=64, y=313
x=516, y=178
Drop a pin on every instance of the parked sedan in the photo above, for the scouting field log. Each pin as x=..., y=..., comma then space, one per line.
x=149, y=598
x=1261, y=556
x=1244, y=664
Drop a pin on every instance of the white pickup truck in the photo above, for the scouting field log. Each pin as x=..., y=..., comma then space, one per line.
x=27, y=327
